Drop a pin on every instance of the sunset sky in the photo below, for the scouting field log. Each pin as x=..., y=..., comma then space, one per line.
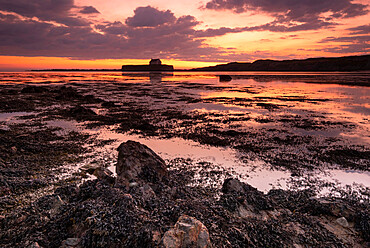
x=186, y=33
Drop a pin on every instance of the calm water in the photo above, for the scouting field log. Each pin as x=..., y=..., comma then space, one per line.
x=267, y=107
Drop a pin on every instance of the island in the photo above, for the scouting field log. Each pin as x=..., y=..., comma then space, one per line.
x=154, y=65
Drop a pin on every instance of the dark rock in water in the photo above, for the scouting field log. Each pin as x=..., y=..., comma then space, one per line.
x=138, y=163
x=187, y=232
x=225, y=78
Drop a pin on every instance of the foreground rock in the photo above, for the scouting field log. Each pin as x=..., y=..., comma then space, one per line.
x=138, y=163
x=187, y=232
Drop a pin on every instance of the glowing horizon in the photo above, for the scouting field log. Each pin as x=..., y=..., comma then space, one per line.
x=98, y=34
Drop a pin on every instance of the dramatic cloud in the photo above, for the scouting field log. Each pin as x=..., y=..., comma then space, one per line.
x=272, y=27
x=355, y=44
x=89, y=10
x=364, y=29
x=292, y=9
x=115, y=28
x=168, y=37
x=45, y=10
x=355, y=39
x=61, y=29
x=293, y=15
x=35, y=38
x=150, y=17
x=212, y=32
x=360, y=48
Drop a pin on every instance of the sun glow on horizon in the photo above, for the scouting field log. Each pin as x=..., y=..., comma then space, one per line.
x=22, y=63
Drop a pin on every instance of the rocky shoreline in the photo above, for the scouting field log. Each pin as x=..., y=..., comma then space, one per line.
x=147, y=205
x=47, y=201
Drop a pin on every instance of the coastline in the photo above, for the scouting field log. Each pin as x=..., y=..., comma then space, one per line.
x=50, y=150
x=328, y=64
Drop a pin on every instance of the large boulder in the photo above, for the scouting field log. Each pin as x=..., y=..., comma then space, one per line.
x=138, y=163
x=232, y=185
x=187, y=232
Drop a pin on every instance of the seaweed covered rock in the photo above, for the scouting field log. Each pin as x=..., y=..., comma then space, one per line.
x=187, y=232
x=81, y=113
x=243, y=195
x=34, y=89
x=138, y=163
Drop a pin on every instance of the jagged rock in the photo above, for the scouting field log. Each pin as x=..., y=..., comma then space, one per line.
x=138, y=163
x=104, y=175
x=71, y=242
x=147, y=192
x=233, y=185
x=100, y=172
x=187, y=232
x=342, y=221
x=89, y=168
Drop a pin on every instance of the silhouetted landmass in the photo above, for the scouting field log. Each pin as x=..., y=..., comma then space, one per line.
x=147, y=68
x=351, y=63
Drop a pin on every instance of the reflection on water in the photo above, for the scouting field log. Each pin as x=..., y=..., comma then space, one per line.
x=11, y=117
x=267, y=108
x=256, y=172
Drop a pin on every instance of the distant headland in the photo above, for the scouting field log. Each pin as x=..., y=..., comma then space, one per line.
x=349, y=63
